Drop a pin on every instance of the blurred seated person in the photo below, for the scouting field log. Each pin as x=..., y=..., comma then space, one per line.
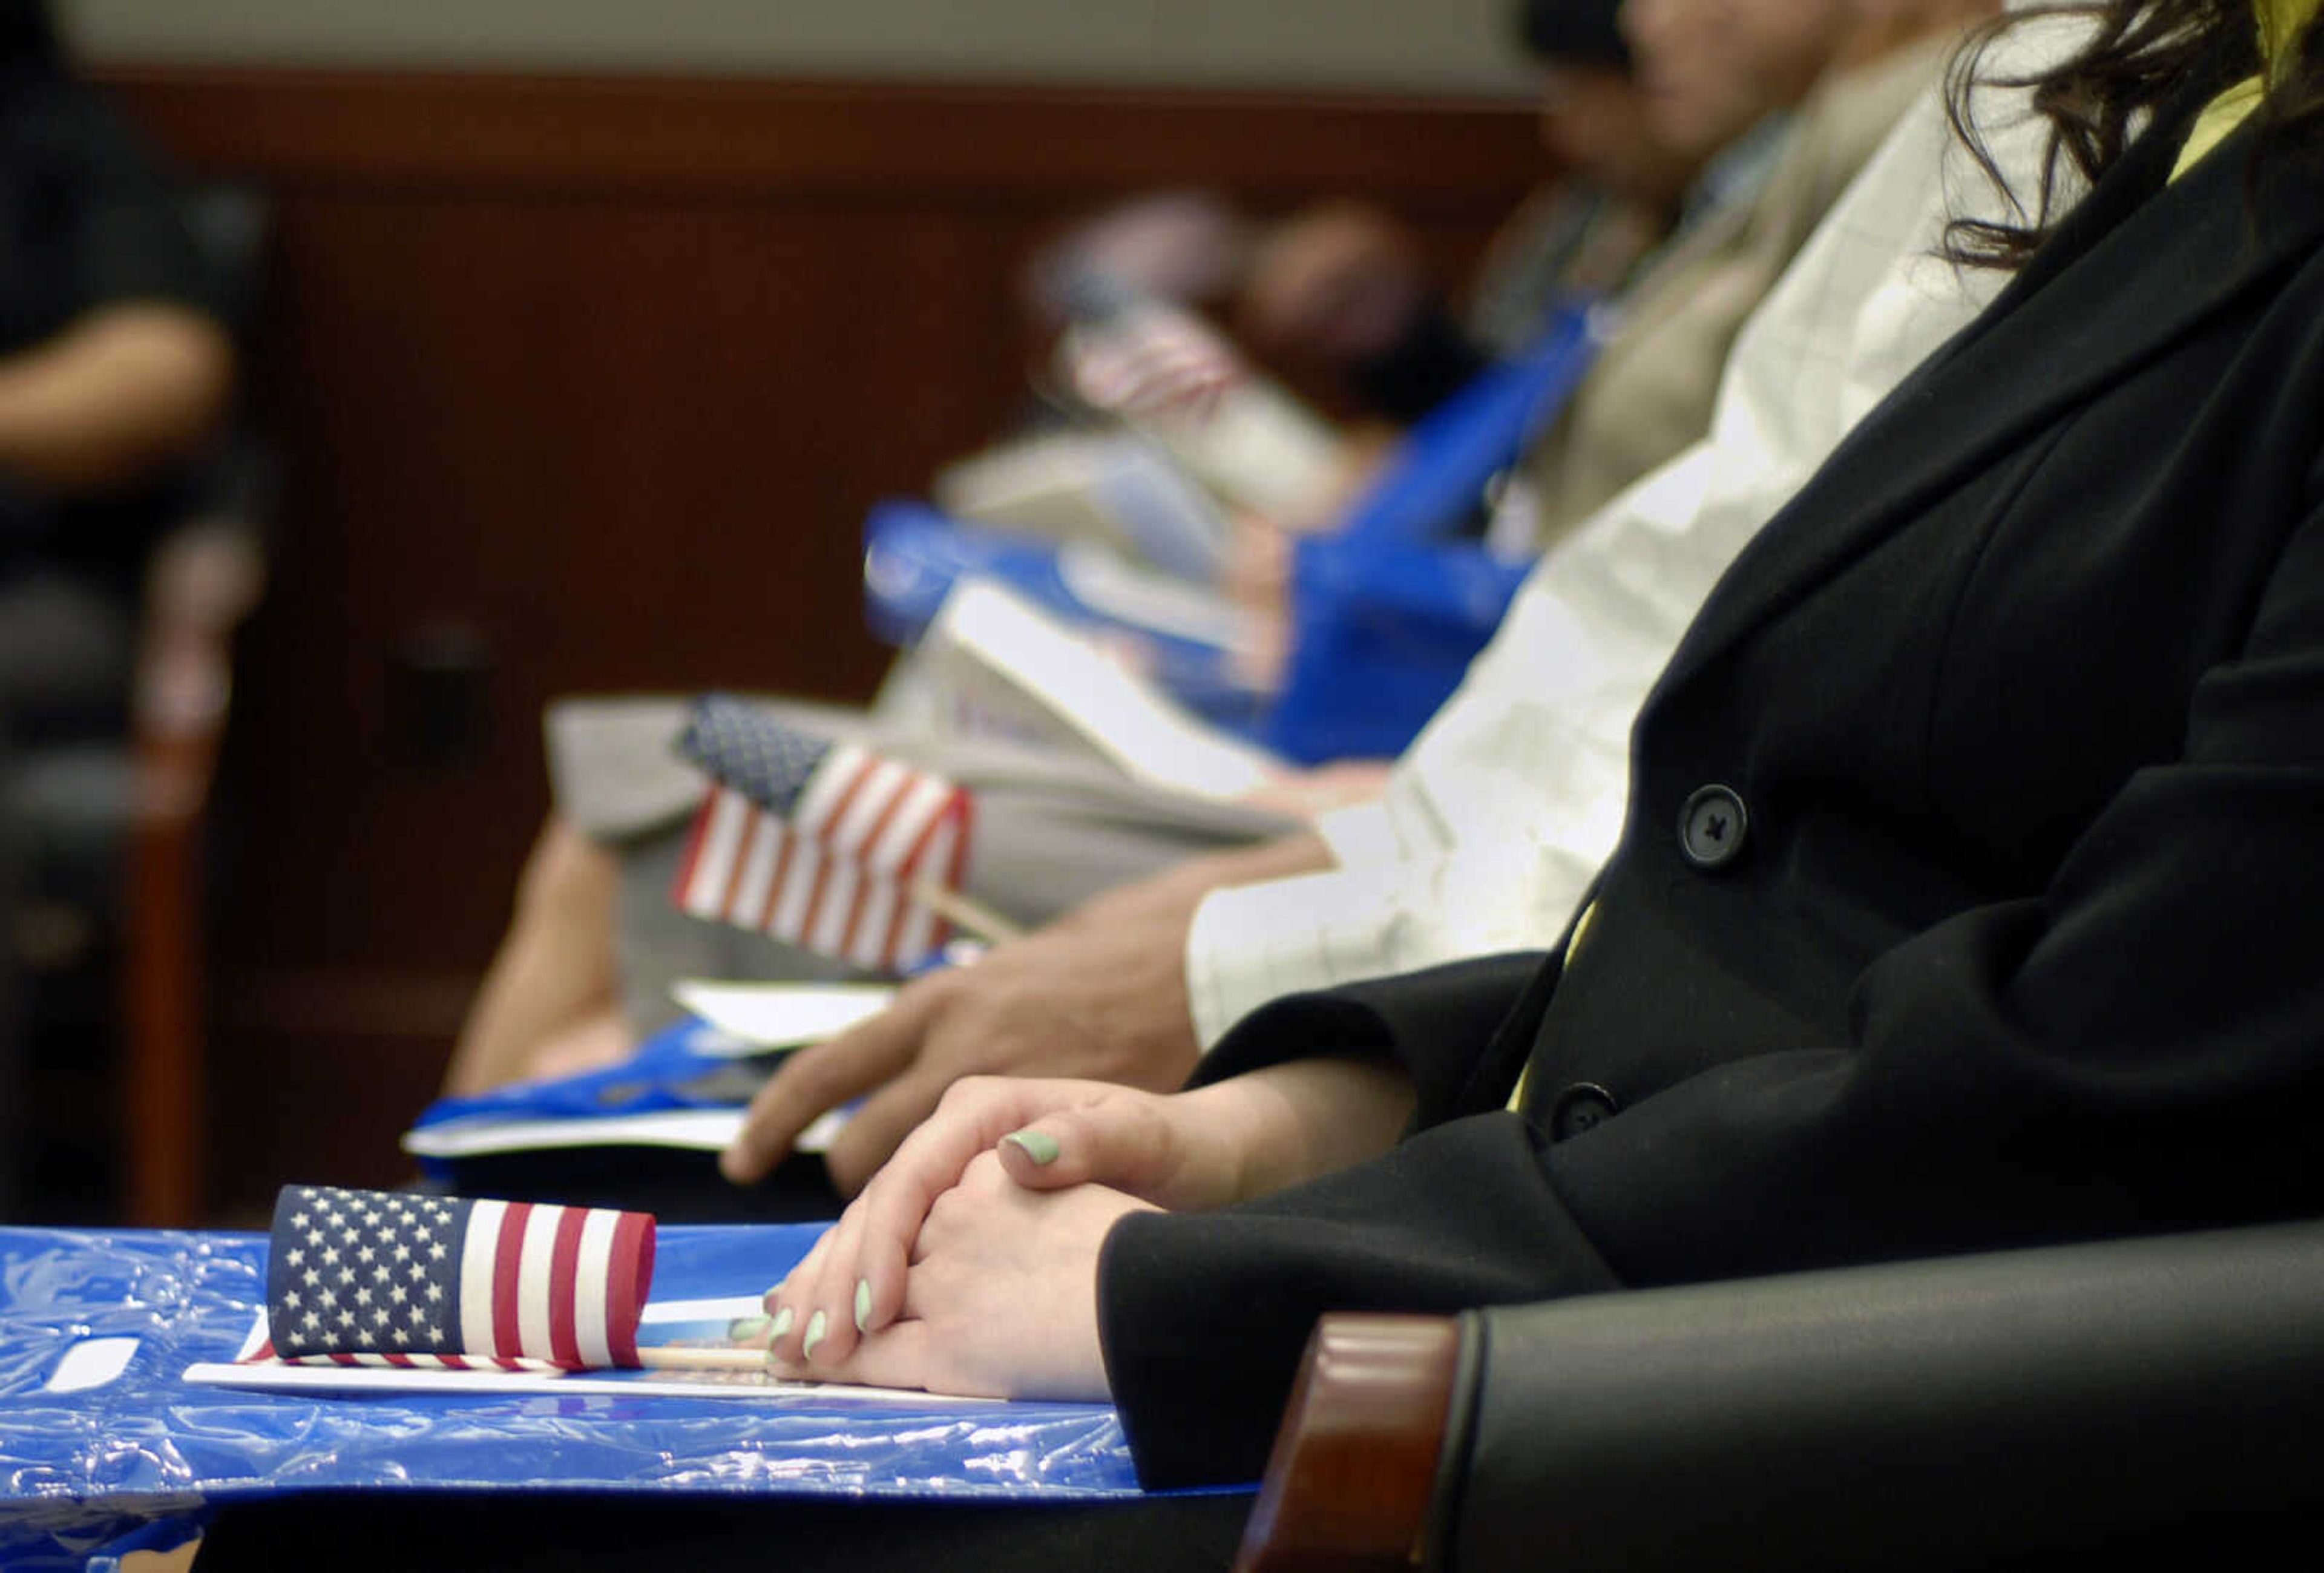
x=1337, y=296
x=1781, y=102
x=1777, y=105
x=1955, y=910
x=1494, y=821
x=114, y=370
x=1490, y=829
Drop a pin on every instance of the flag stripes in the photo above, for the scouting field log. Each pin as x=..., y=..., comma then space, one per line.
x=846, y=873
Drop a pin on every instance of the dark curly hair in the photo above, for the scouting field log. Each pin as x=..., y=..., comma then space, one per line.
x=2140, y=54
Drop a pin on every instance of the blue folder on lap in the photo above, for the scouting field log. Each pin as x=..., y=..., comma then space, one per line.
x=102, y=1442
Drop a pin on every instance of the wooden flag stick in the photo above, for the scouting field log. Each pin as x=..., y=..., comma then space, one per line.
x=662, y=1357
x=966, y=913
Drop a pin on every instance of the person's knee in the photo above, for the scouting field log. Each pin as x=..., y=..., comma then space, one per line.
x=566, y=873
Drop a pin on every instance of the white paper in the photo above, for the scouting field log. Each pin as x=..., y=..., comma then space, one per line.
x=694, y=1130
x=779, y=1015
x=694, y=1384
x=1123, y=720
x=275, y=1376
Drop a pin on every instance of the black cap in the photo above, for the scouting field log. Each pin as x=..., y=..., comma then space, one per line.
x=1573, y=30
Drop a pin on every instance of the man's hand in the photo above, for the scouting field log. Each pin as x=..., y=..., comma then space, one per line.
x=1101, y=994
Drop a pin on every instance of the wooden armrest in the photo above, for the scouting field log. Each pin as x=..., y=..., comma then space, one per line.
x=205, y=580
x=1354, y=1471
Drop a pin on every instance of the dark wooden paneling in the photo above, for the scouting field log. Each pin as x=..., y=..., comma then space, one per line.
x=724, y=138
x=587, y=384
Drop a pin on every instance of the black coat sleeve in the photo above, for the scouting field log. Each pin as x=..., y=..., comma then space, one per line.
x=1202, y=1377
x=1457, y=1030
x=1204, y=1315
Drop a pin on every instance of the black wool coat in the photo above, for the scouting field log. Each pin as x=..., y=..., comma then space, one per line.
x=1999, y=922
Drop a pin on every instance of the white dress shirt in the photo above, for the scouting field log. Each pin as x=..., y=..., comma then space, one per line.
x=1503, y=809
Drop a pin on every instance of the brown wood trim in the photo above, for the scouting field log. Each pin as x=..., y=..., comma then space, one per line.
x=592, y=134
x=163, y=1087
x=349, y=1002
x=1353, y=1472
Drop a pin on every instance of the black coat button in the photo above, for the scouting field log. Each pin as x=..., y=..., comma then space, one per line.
x=1583, y=1107
x=1711, y=828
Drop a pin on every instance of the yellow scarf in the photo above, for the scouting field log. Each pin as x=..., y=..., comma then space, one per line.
x=2279, y=25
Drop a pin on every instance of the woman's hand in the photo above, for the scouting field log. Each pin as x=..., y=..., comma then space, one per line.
x=1137, y=1142
x=1001, y=1300
x=1186, y=1152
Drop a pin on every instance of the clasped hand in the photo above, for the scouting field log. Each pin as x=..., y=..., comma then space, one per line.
x=969, y=1263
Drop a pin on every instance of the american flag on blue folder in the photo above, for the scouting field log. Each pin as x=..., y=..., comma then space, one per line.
x=361, y=1277
x=824, y=844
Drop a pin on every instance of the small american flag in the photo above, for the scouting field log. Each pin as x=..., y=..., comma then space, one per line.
x=379, y=1278
x=824, y=845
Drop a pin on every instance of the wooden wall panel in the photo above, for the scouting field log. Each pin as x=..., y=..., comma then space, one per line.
x=586, y=383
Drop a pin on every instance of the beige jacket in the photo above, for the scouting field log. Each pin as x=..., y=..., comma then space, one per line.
x=1649, y=395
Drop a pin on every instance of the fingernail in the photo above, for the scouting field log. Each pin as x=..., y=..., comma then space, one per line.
x=748, y=1330
x=783, y=1320
x=816, y=1325
x=1040, y=1148
x=862, y=1303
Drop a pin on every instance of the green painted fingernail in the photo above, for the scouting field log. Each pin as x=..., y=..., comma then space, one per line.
x=783, y=1320
x=1040, y=1148
x=816, y=1325
x=748, y=1330
x=862, y=1303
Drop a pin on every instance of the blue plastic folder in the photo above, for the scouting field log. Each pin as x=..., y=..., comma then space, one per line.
x=1437, y=479
x=688, y=1065
x=1386, y=633
x=140, y=1455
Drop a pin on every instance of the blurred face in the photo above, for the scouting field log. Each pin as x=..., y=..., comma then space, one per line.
x=1595, y=121
x=1711, y=68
